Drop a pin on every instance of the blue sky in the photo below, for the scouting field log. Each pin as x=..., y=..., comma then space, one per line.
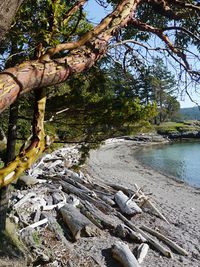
x=96, y=13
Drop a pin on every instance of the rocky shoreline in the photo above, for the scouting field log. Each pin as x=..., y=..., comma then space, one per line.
x=40, y=207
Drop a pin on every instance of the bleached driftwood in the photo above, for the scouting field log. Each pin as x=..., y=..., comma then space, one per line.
x=166, y=240
x=122, y=253
x=142, y=252
x=103, y=187
x=98, y=215
x=91, y=217
x=24, y=200
x=124, y=231
x=78, y=224
x=36, y=224
x=88, y=179
x=166, y=252
x=126, y=205
x=73, y=200
x=37, y=215
x=57, y=205
x=107, y=199
x=146, y=199
x=80, y=186
x=124, y=189
x=57, y=197
x=73, y=175
x=68, y=188
x=51, y=207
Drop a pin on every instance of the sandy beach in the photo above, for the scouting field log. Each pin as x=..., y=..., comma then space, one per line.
x=115, y=163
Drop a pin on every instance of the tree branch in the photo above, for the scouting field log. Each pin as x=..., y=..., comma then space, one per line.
x=159, y=32
x=183, y=30
x=184, y=4
x=37, y=74
x=119, y=17
x=73, y=9
x=139, y=44
x=27, y=156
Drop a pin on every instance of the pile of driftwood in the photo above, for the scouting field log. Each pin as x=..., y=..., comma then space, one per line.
x=69, y=205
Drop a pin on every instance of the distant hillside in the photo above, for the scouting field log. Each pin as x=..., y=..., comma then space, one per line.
x=190, y=113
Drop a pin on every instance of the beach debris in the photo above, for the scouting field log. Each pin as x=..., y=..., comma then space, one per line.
x=145, y=200
x=123, y=231
x=78, y=224
x=142, y=251
x=71, y=206
x=122, y=253
x=28, y=180
x=126, y=205
x=166, y=240
x=166, y=252
x=36, y=224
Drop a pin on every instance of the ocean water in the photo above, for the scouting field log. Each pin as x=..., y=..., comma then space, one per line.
x=181, y=160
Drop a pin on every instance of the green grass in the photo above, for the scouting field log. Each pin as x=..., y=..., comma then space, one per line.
x=36, y=238
x=177, y=127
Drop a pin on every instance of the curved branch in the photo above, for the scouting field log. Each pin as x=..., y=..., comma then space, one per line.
x=110, y=24
x=185, y=5
x=73, y=9
x=27, y=156
x=37, y=74
x=183, y=30
x=139, y=44
x=159, y=32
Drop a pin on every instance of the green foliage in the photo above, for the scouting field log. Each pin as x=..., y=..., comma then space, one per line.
x=36, y=238
x=150, y=12
x=101, y=104
x=157, y=84
x=177, y=127
x=105, y=101
x=190, y=113
x=42, y=22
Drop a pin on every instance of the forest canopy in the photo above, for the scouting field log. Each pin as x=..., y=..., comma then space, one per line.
x=106, y=78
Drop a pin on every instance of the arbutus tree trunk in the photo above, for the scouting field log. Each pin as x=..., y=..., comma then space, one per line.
x=10, y=148
x=12, y=132
x=27, y=155
x=8, y=10
x=35, y=74
x=3, y=208
x=10, y=155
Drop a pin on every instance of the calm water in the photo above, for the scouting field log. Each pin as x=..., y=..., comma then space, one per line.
x=182, y=160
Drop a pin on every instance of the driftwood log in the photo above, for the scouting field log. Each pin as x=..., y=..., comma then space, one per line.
x=71, y=189
x=124, y=231
x=122, y=253
x=166, y=240
x=105, y=220
x=166, y=252
x=125, y=190
x=78, y=224
x=107, y=198
x=142, y=252
x=146, y=200
x=126, y=205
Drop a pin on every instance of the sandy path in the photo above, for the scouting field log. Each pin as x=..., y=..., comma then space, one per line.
x=114, y=163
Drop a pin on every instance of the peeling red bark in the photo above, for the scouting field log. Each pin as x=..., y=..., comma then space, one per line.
x=33, y=75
